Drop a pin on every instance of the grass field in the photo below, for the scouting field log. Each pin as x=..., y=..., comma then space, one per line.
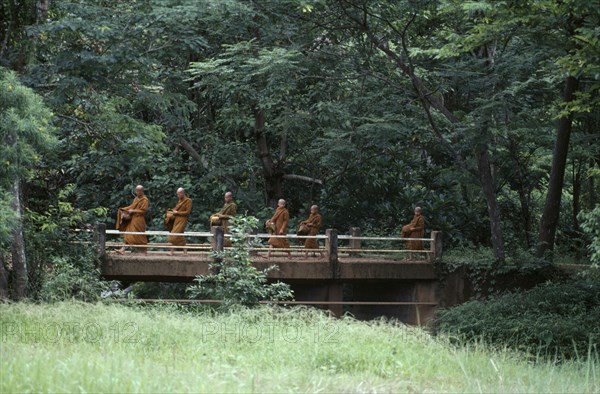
x=73, y=347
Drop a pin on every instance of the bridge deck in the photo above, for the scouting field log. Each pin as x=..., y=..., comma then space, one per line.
x=366, y=276
x=160, y=266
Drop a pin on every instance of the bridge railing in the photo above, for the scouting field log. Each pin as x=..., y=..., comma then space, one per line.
x=355, y=245
x=295, y=242
x=331, y=245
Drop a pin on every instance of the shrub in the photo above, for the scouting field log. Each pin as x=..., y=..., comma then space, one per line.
x=69, y=279
x=63, y=264
x=553, y=318
x=591, y=226
x=235, y=280
x=484, y=276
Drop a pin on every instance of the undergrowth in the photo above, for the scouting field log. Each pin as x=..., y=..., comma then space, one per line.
x=82, y=347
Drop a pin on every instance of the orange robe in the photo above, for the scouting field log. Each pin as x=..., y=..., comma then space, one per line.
x=418, y=223
x=183, y=208
x=314, y=224
x=281, y=219
x=229, y=210
x=137, y=223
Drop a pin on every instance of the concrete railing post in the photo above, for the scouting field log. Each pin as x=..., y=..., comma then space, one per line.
x=436, y=246
x=252, y=241
x=217, y=243
x=331, y=245
x=355, y=243
x=217, y=238
x=100, y=239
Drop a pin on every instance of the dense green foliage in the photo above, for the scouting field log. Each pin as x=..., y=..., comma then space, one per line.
x=234, y=279
x=63, y=264
x=25, y=134
x=367, y=108
x=70, y=347
x=555, y=319
x=591, y=226
x=483, y=276
x=364, y=107
x=335, y=106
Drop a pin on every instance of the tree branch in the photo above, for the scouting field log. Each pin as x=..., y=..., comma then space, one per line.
x=302, y=178
x=283, y=148
x=193, y=152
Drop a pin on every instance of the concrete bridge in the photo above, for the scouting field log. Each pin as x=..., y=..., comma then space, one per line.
x=366, y=276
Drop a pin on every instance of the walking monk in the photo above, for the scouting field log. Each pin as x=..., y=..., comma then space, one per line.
x=415, y=229
x=227, y=212
x=314, y=224
x=132, y=218
x=179, y=218
x=280, y=220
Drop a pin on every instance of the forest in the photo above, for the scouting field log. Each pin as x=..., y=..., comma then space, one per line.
x=484, y=113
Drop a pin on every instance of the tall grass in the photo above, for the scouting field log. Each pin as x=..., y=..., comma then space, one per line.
x=73, y=347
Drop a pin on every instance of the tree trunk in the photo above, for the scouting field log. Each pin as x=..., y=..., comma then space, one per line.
x=3, y=279
x=487, y=185
x=526, y=215
x=551, y=213
x=522, y=192
x=591, y=200
x=577, y=181
x=19, y=260
x=272, y=172
x=42, y=7
x=577, y=175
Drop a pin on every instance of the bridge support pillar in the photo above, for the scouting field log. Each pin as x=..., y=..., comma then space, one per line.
x=335, y=293
x=424, y=292
x=334, y=289
x=100, y=239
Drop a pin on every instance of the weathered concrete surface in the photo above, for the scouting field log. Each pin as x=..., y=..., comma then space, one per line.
x=154, y=268
x=351, y=269
x=296, y=269
x=162, y=267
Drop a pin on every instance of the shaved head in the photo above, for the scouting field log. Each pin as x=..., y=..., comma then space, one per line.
x=418, y=210
x=281, y=202
x=229, y=194
x=181, y=190
x=139, y=187
x=314, y=207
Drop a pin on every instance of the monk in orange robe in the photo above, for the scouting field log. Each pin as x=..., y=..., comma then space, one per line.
x=132, y=218
x=280, y=219
x=227, y=212
x=180, y=217
x=314, y=224
x=415, y=229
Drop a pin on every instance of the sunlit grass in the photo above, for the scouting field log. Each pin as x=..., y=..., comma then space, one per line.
x=71, y=347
